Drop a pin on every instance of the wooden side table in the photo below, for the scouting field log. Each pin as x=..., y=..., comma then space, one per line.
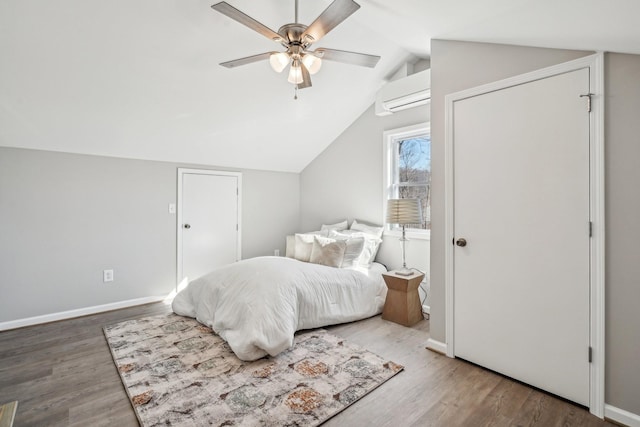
x=403, y=301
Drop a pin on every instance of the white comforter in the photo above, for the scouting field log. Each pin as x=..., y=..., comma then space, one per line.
x=256, y=305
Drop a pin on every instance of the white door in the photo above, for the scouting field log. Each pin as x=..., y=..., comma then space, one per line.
x=209, y=221
x=521, y=202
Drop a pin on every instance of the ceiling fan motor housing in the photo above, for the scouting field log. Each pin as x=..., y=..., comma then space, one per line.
x=292, y=33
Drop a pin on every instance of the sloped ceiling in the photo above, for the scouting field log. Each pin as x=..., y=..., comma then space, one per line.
x=140, y=78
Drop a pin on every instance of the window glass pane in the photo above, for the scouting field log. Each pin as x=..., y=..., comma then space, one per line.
x=413, y=174
x=414, y=159
x=419, y=192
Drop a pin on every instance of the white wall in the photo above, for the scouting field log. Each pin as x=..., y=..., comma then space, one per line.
x=66, y=217
x=346, y=181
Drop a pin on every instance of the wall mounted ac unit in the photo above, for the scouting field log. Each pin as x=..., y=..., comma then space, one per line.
x=407, y=92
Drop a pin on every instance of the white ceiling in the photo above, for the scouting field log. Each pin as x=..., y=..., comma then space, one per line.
x=140, y=78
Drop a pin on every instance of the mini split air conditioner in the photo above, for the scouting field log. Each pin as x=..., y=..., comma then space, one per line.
x=407, y=92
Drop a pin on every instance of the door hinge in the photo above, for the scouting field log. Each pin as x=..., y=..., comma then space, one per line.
x=590, y=229
x=588, y=95
x=590, y=354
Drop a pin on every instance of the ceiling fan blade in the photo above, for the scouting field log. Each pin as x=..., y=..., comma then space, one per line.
x=306, y=77
x=247, y=60
x=333, y=15
x=355, y=58
x=233, y=13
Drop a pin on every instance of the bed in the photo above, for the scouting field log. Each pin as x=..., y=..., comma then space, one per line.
x=256, y=305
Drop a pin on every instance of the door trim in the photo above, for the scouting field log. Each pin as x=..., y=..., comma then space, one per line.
x=186, y=171
x=595, y=63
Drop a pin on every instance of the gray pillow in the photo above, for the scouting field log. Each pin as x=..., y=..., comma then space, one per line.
x=327, y=252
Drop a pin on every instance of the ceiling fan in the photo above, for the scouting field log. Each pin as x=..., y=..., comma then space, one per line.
x=297, y=39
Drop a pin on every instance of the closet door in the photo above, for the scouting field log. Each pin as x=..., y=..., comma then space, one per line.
x=521, y=226
x=209, y=221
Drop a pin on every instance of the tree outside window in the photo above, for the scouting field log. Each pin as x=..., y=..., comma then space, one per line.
x=409, y=169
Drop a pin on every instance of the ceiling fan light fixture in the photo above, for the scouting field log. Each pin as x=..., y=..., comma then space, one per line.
x=278, y=61
x=312, y=62
x=295, y=73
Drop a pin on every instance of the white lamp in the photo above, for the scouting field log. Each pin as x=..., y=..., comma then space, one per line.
x=295, y=73
x=278, y=61
x=404, y=212
x=312, y=62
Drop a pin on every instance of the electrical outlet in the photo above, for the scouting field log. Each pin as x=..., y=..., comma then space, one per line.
x=107, y=276
x=276, y=252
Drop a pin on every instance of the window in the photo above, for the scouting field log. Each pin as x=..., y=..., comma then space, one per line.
x=408, y=172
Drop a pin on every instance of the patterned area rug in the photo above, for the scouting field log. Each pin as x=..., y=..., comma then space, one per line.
x=178, y=372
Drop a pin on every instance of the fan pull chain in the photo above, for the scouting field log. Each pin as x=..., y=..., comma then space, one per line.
x=295, y=96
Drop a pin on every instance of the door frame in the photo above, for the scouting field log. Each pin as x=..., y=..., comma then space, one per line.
x=595, y=63
x=187, y=171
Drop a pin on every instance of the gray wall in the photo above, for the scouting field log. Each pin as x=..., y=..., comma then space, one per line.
x=66, y=217
x=270, y=211
x=345, y=181
x=622, y=151
x=460, y=65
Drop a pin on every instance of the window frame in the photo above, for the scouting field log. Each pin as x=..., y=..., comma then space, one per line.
x=389, y=165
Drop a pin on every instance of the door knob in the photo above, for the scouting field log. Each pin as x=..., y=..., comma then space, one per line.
x=187, y=226
x=461, y=242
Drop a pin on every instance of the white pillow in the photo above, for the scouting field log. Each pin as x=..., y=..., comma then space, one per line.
x=370, y=251
x=304, y=245
x=323, y=233
x=355, y=246
x=337, y=226
x=327, y=252
x=291, y=247
x=371, y=246
x=369, y=229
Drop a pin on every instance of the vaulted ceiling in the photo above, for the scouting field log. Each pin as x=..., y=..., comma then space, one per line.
x=140, y=78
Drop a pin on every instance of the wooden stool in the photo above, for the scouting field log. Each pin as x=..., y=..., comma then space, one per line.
x=403, y=301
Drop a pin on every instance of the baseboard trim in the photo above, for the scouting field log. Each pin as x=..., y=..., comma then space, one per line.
x=437, y=346
x=69, y=314
x=621, y=416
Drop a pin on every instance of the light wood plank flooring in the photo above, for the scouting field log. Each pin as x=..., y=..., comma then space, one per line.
x=62, y=374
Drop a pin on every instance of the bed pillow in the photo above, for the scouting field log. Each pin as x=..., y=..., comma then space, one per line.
x=327, y=252
x=291, y=246
x=323, y=233
x=353, y=250
x=369, y=229
x=304, y=245
x=371, y=245
x=338, y=226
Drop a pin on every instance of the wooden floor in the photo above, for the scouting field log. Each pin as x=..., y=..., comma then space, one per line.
x=62, y=374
